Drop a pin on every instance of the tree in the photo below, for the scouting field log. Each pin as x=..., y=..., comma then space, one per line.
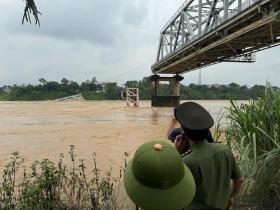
x=112, y=91
x=30, y=9
x=90, y=85
x=43, y=81
x=94, y=80
x=145, y=88
x=131, y=84
x=64, y=81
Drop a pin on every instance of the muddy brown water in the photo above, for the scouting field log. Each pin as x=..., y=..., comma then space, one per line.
x=45, y=129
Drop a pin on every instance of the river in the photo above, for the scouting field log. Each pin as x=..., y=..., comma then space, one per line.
x=108, y=128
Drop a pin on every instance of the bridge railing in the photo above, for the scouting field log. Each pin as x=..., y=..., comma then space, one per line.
x=244, y=6
x=177, y=13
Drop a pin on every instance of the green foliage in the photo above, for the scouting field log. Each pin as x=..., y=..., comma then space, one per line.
x=259, y=120
x=112, y=91
x=47, y=185
x=30, y=8
x=92, y=95
x=213, y=92
x=145, y=88
x=132, y=84
x=165, y=89
x=254, y=136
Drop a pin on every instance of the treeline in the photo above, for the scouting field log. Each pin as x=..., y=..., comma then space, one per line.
x=50, y=90
x=94, y=90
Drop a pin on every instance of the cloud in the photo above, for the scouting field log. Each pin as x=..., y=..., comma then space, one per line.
x=101, y=22
x=134, y=13
x=113, y=40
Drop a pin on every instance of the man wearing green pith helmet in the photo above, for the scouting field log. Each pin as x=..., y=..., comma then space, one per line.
x=155, y=179
x=212, y=165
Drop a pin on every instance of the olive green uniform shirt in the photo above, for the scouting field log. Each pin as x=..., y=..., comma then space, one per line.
x=213, y=166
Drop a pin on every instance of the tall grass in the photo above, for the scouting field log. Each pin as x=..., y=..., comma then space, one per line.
x=259, y=119
x=254, y=136
x=49, y=185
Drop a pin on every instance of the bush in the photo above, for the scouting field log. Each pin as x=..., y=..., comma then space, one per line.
x=47, y=185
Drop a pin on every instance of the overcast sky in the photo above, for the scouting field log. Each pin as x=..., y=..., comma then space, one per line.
x=112, y=40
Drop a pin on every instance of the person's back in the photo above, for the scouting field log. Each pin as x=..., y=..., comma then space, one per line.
x=213, y=166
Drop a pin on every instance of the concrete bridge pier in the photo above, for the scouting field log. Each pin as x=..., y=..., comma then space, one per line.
x=176, y=87
x=166, y=101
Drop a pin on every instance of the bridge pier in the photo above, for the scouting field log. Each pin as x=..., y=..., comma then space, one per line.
x=154, y=87
x=176, y=87
x=166, y=101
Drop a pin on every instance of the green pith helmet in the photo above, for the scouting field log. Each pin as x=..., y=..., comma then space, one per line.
x=157, y=179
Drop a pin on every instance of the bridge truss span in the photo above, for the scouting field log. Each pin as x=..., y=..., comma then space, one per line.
x=206, y=32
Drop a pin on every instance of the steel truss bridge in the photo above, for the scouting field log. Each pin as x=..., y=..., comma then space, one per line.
x=206, y=32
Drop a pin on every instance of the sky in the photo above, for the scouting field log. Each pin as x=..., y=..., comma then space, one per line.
x=114, y=40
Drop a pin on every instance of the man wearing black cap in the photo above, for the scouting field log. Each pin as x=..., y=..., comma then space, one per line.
x=213, y=165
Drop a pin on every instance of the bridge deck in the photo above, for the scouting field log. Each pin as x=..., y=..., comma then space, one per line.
x=254, y=29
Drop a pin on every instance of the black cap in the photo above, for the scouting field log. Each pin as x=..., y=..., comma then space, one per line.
x=193, y=116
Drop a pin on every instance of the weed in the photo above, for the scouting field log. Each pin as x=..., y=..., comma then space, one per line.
x=46, y=185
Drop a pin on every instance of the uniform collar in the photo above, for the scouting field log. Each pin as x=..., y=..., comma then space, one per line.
x=199, y=145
